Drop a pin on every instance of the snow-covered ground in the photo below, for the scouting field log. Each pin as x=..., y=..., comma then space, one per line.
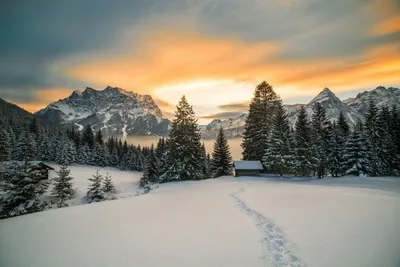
x=245, y=221
x=126, y=183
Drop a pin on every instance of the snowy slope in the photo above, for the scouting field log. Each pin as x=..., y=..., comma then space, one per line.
x=126, y=182
x=222, y=222
x=352, y=108
x=113, y=110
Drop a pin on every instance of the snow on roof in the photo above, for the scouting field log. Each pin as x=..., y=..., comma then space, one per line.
x=247, y=165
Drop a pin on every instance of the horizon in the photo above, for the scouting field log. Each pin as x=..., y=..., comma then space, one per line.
x=204, y=121
x=214, y=53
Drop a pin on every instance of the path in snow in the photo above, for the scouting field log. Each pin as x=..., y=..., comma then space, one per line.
x=276, y=246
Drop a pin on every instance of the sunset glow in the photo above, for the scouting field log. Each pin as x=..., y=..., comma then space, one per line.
x=204, y=50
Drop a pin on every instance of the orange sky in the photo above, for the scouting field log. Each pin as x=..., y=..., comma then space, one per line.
x=216, y=57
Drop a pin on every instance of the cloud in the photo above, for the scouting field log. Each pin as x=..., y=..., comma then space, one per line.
x=222, y=115
x=213, y=51
x=240, y=107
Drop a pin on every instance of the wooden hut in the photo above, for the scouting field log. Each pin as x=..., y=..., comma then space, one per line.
x=247, y=168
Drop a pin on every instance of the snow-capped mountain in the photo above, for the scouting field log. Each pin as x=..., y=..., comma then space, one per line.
x=233, y=127
x=332, y=104
x=381, y=96
x=352, y=108
x=113, y=110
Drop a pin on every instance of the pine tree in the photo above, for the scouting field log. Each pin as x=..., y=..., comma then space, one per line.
x=184, y=148
x=62, y=189
x=99, y=156
x=109, y=187
x=303, y=163
x=95, y=191
x=88, y=136
x=24, y=150
x=321, y=129
x=150, y=171
x=5, y=145
x=258, y=123
x=221, y=163
x=99, y=138
x=356, y=155
x=279, y=155
x=337, y=164
x=21, y=185
x=67, y=152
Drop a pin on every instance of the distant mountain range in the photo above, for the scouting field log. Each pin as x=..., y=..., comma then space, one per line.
x=120, y=113
x=352, y=108
x=113, y=110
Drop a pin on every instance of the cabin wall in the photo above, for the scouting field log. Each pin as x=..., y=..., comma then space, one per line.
x=247, y=173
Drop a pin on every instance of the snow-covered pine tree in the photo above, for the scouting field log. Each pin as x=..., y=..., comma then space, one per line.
x=24, y=150
x=321, y=130
x=62, y=188
x=387, y=150
x=279, y=155
x=95, y=191
x=99, y=154
x=356, y=156
x=109, y=187
x=221, y=162
x=303, y=163
x=5, y=145
x=371, y=131
x=336, y=160
x=67, y=152
x=21, y=186
x=160, y=153
x=184, y=148
x=259, y=120
x=395, y=132
x=84, y=155
x=44, y=152
x=88, y=136
x=150, y=175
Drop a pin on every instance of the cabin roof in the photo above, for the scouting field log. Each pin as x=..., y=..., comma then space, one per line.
x=247, y=165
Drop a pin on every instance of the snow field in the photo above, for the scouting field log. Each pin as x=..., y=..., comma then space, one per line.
x=246, y=221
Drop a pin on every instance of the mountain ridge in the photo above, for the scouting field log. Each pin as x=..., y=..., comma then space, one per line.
x=352, y=108
x=113, y=110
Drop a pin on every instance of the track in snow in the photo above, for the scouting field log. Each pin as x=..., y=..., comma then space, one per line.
x=276, y=247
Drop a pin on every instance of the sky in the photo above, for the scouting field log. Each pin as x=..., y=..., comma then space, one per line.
x=214, y=52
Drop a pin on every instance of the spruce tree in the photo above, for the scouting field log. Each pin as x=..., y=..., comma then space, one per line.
x=150, y=171
x=5, y=145
x=321, y=129
x=184, y=148
x=88, y=136
x=221, y=162
x=95, y=191
x=99, y=138
x=279, y=155
x=336, y=159
x=109, y=187
x=21, y=185
x=303, y=163
x=62, y=189
x=356, y=155
x=258, y=123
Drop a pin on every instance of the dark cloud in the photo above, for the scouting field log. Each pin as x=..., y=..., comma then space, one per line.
x=36, y=34
x=222, y=115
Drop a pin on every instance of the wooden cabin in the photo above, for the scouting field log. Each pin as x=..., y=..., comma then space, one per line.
x=247, y=168
x=42, y=168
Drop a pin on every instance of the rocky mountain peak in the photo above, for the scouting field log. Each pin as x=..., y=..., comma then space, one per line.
x=114, y=110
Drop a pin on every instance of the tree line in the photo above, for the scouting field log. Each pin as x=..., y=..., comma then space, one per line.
x=320, y=146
